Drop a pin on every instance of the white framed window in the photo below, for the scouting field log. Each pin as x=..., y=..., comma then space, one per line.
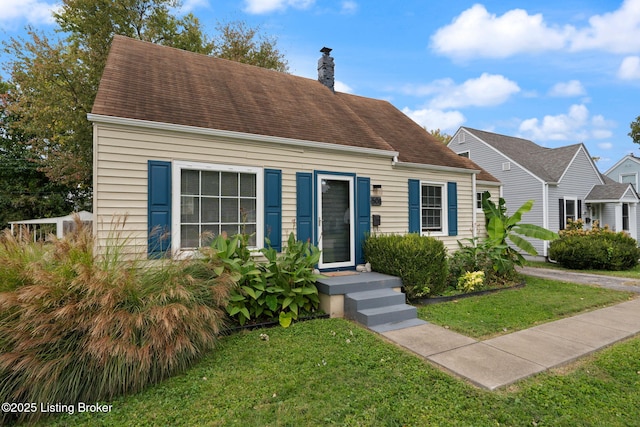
x=570, y=210
x=433, y=205
x=211, y=199
x=631, y=178
x=625, y=216
x=464, y=154
x=479, y=200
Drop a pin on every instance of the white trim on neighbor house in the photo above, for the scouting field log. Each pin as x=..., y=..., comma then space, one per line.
x=593, y=165
x=176, y=173
x=503, y=155
x=633, y=174
x=621, y=161
x=98, y=118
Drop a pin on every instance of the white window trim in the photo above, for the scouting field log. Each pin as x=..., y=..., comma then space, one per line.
x=462, y=154
x=576, y=213
x=176, y=173
x=635, y=179
x=443, y=210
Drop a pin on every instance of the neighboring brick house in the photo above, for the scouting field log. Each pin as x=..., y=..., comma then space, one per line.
x=188, y=143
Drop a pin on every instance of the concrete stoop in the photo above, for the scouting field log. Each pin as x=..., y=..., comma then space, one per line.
x=372, y=299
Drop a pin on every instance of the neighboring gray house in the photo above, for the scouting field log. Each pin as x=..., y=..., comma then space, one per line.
x=626, y=171
x=564, y=182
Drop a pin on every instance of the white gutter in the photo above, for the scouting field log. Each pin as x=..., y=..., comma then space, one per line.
x=436, y=167
x=98, y=118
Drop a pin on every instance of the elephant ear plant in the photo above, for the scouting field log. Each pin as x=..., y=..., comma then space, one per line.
x=279, y=286
x=503, y=231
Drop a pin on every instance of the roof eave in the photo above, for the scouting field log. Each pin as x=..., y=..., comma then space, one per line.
x=437, y=168
x=171, y=127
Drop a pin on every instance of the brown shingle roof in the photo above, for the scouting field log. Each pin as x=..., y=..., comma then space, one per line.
x=160, y=84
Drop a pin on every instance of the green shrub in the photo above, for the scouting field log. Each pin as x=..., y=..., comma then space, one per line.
x=78, y=327
x=420, y=261
x=594, y=249
x=487, y=257
x=282, y=287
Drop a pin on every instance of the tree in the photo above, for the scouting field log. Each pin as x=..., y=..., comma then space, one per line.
x=240, y=43
x=440, y=136
x=502, y=229
x=635, y=130
x=54, y=82
x=25, y=191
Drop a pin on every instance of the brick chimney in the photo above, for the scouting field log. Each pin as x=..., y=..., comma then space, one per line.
x=325, y=69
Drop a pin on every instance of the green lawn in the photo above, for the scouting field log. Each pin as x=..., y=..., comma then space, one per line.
x=334, y=372
x=539, y=301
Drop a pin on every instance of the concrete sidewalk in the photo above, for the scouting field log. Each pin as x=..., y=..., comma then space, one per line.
x=503, y=360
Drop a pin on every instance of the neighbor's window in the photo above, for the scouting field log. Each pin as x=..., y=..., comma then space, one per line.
x=625, y=216
x=569, y=210
x=214, y=202
x=432, y=203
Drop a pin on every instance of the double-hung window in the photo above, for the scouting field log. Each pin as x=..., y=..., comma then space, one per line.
x=216, y=199
x=432, y=208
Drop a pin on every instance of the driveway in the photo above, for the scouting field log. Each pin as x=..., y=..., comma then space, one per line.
x=610, y=282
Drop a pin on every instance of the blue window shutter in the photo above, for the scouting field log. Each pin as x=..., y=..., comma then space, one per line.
x=452, y=208
x=159, y=208
x=304, y=206
x=273, y=207
x=414, y=206
x=363, y=210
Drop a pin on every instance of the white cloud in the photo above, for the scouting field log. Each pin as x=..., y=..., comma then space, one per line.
x=576, y=125
x=446, y=121
x=191, y=5
x=32, y=11
x=478, y=33
x=265, y=6
x=568, y=89
x=617, y=31
x=342, y=87
x=630, y=68
x=349, y=7
x=605, y=146
x=486, y=90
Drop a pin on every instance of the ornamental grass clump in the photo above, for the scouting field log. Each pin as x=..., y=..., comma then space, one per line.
x=77, y=327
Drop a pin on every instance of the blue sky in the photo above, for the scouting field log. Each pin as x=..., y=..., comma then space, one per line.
x=554, y=72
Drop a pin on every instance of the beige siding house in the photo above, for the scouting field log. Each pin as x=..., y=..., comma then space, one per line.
x=187, y=145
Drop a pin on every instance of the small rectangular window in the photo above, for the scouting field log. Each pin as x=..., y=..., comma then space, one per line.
x=432, y=207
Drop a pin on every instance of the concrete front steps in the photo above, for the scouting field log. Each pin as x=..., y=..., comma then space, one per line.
x=375, y=300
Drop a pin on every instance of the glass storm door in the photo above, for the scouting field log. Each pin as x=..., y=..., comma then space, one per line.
x=336, y=221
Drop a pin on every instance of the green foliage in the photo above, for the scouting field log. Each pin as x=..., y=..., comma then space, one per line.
x=635, y=130
x=502, y=229
x=594, y=249
x=420, y=261
x=281, y=287
x=54, y=81
x=78, y=327
x=484, y=256
x=471, y=281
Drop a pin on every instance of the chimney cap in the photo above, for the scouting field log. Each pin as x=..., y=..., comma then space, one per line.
x=326, y=50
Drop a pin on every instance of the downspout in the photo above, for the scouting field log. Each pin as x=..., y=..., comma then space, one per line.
x=474, y=224
x=545, y=217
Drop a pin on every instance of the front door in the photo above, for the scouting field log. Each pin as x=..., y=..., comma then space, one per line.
x=336, y=228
